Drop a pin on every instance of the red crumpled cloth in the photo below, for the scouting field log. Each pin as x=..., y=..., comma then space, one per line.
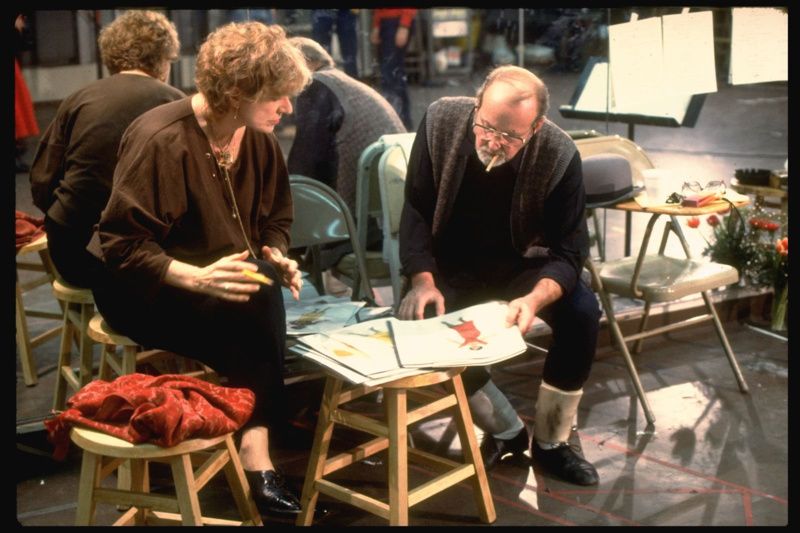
x=163, y=410
x=27, y=228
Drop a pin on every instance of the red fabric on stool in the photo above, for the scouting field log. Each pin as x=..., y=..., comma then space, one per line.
x=27, y=228
x=163, y=410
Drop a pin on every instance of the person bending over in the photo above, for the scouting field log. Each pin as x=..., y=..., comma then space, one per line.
x=494, y=209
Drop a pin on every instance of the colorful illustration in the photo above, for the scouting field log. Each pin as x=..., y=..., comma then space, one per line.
x=469, y=332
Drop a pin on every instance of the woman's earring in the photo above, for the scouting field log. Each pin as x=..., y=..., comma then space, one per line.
x=236, y=114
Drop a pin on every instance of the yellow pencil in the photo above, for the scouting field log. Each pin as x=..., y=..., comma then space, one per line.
x=258, y=276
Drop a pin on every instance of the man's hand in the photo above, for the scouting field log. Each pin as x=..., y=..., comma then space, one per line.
x=423, y=291
x=291, y=277
x=521, y=312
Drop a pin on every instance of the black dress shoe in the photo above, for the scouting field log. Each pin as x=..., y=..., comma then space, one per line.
x=270, y=494
x=563, y=462
x=492, y=449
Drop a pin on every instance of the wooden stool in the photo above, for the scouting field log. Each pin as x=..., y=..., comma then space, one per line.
x=25, y=344
x=147, y=508
x=78, y=304
x=132, y=355
x=393, y=434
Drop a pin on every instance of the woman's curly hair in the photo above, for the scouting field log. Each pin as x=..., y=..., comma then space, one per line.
x=249, y=60
x=138, y=39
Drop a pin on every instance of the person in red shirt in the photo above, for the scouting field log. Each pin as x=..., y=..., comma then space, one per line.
x=391, y=29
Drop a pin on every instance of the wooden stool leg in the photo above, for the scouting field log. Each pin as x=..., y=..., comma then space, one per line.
x=105, y=367
x=396, y=415
x=129, y=359
x=319, y=451
x=89, y=480
x=239, y=486
x=186, y=490
x=29, y=373
x=64, y=362
x=86, y=344
x=472, y=453
x=140, y=482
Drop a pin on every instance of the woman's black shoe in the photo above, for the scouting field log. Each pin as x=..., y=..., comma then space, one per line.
x=270, y=494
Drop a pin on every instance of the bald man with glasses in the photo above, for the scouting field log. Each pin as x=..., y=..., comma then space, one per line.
x=495, y=210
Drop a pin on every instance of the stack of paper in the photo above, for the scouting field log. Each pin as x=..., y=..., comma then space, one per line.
x=476, y=335
x=323, y=313
x=379, y=351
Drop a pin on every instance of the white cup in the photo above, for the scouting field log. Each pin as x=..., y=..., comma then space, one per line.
x=658, y=184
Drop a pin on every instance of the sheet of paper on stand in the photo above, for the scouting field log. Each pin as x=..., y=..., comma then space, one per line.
x=476, y=335
x=323, y=313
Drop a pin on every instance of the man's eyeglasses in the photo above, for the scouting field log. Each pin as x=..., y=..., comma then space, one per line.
x=508, y=139
x=694, y=187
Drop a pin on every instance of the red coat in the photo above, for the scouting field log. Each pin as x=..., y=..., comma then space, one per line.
x=163, y=410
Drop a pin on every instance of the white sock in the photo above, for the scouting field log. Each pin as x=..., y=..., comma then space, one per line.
x=493, y=413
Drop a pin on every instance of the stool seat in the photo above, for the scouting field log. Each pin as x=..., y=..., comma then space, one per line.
x=72, y=293
x=101, y=332
x=105, y=444
x=392, y=435
x=212, y=454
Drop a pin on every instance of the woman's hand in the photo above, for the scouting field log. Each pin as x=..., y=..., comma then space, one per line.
x=222, y=278
x=423, y=291
x=291, y=277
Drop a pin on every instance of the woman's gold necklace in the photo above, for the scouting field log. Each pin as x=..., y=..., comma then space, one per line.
x=223, y=153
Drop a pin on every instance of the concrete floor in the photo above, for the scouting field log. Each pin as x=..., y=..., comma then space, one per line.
x=714, y=457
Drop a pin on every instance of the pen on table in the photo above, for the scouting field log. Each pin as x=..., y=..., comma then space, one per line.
x=258, y=276
x=492, y=162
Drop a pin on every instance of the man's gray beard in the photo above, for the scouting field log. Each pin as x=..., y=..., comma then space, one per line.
x=485, y=157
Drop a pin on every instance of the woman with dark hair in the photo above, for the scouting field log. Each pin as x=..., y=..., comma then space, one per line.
x=201, y=202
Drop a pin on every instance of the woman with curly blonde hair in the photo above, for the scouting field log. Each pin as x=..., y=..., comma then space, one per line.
x=201, y=199
x=72, y=169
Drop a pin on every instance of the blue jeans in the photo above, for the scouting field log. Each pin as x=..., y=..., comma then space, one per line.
x=574, y=319
x=394, y=85
x=322, y=22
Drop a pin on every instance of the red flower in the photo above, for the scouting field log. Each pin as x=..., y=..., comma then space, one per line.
x=770, y=226
x=712, y=220
x=693, y=222
x=755, y=223
x=782, y=246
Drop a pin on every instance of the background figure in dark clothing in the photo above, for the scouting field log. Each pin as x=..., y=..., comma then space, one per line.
x=337, y=117
x=73, y=166
x=345, y=21
x=391, y=29
x=495, y=210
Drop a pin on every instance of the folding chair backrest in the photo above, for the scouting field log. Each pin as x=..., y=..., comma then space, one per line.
x=368, y=200
x=321, y=217
x=392, y=182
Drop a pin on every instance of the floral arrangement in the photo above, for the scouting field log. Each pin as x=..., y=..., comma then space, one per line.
x=749, y=239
